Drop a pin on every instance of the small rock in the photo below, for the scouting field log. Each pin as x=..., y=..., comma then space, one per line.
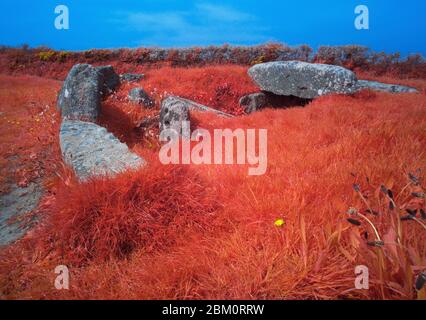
x=80, y=96
x=138, y=95
x=92, y=151
x=302, y=79
x=110, y=79
x=173, y=113
x=175, y=110
x=253, y=102
x=378, y=86
x=131, y=77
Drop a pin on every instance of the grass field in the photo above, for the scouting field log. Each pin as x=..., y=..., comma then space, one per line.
x=209, y=232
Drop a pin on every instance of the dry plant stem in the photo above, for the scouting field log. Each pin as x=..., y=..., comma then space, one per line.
x=399, y=233
x=419, y=222
x=365, y=201
x=368, y=220
x=381, y=265
x=402, y=191
x=372, y=226
x=392, y=201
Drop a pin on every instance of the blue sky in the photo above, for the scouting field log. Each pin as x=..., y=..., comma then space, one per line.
x=394, y=25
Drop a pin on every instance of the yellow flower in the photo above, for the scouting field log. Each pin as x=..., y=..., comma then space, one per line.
x=279, y=223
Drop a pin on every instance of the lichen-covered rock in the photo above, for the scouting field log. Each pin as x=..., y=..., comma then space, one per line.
x=194, y=106
x=110, y=80
x=253, y=102
x=302, y=79
x=131, y=77
x=92, y=151
x=378, y=86
x=139, y=96
x=173, y=113
x=80, y=96
x=175, y=110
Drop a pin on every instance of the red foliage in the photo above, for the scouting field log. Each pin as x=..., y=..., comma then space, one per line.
x=219, y=87
x=208, y=231
x=28, y=131
x=105, y=219
x=56, y=64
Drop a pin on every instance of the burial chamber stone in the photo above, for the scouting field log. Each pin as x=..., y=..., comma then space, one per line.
x=92, y=151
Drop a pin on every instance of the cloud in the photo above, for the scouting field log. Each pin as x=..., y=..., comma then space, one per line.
x=203, y=24
x=166, y=21
x=223, y=13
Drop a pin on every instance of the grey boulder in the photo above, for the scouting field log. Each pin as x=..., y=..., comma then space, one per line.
x=110, y=80
x=378, y=86
x=174, y=112
x=92, y=151
x=80, y=95
x=139, y=96
x=302, y=79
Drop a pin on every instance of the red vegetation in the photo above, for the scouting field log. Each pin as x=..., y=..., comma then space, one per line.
x=56, y=64
x=208, y=231
x=103, y=220
x=28, y=131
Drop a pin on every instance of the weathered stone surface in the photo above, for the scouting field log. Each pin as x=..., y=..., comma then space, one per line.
x=139, y=96
x=378, y=86
x=92, y=151
x=110, y=79
x=175, y=110
x=131, y=77
x=302, y=79
x=173, y=113
x=80, y=96
x=194, y=106
x=253, y=102
x=14, y=205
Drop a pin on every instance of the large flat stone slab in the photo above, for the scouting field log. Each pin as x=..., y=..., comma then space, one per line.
x=92, y=151
x=302, y=79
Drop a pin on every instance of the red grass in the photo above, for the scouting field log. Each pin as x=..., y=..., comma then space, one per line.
x=103, y=220
x=219, y=87
x=29, y=128
x=208, y=231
